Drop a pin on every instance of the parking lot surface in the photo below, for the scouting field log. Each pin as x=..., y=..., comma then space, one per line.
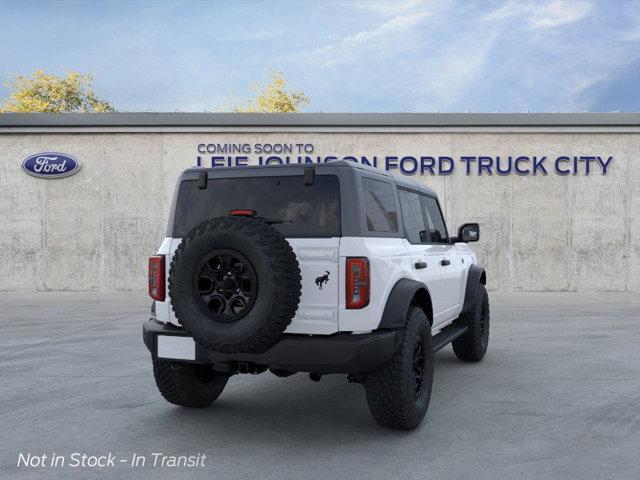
x=556, y=397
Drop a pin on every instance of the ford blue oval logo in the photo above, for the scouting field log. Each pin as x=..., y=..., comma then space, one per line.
x=51, y=165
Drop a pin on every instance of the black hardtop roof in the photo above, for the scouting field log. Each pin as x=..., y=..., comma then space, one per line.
x=400, y=180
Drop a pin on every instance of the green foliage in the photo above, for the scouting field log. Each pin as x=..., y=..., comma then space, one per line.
x=42, y=92
x=274, y=98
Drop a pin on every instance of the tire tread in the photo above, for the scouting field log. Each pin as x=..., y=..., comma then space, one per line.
x=469, y=347
x=180, y=386
x=388, y=388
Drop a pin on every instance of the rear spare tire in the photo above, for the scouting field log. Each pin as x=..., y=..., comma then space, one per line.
x=234, y=284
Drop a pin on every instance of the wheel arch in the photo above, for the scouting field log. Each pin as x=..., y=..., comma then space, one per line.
x=404, y=294
x=476, y=276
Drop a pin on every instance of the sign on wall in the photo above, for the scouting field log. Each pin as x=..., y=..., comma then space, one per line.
x=213, y=155
x=51, y=165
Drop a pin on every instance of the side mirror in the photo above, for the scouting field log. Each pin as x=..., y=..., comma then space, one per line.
x=469, y=232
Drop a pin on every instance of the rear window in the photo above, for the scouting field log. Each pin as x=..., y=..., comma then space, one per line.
x=379, y=206
x=305, y=210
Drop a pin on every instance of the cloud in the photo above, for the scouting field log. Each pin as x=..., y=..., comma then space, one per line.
x=557, y=13
x=557, y=67
x=398, y=24
x=388, y=8
x=390, y=38
x=541, y=15
x=632, y=33
x=451, y=74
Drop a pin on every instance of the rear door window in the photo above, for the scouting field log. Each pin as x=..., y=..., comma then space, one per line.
x=300, y=210
x=412, y=217
x=379, y=206
x=437, y=227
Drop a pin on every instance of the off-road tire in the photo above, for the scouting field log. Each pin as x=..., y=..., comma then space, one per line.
x=188, y=384
x=390, y=389
x=472, y=346
x=278, y=284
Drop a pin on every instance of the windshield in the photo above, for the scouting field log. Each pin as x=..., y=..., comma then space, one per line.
x=304, y=210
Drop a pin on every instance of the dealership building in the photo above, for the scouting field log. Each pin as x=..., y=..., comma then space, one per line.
x=557, y=195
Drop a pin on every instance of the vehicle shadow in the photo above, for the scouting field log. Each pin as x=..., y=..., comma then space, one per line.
x=287, y=411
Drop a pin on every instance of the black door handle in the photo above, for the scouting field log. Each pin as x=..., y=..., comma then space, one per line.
x=420, y=265
x=445, y=262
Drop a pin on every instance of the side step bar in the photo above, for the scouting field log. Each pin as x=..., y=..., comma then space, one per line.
x=447, y=335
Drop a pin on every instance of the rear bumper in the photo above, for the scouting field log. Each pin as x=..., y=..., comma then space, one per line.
x=338, y=353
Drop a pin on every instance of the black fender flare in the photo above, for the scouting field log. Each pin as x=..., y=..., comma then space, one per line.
x=400, y=299
x=475, y=277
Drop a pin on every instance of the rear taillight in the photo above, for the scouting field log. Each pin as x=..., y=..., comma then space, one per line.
x=358, y=282
x=156, y=277
x=242, y=213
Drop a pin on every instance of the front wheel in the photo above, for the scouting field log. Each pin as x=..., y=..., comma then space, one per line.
x=398, y=392
x=472, y=346
x=187, y=384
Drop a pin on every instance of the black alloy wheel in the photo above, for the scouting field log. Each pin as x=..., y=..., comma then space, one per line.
x=484, y=325
x=418, y=368
x=225, y=285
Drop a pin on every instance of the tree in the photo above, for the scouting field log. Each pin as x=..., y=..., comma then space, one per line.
x=274, y=98
x=42, y=92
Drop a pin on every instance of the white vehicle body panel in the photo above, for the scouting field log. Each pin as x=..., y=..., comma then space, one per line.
x=319, y=268
x=446, y=295
x=323, y=311
x=318, y=308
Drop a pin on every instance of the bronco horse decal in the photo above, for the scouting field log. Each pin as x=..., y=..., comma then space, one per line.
x=322, y=279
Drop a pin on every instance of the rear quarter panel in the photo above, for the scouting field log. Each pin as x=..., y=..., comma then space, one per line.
x=389, y=261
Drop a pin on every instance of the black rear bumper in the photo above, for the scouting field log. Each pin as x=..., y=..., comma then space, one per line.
x=338, y=353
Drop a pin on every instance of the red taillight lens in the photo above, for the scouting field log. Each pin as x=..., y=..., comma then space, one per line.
x=358, y=282
x=242, y=213
x=156, y=277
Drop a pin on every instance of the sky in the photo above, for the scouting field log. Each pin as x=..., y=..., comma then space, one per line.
x=347, y=56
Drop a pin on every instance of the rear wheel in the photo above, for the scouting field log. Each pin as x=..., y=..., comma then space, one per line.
x=188, y=384
x=398, y=392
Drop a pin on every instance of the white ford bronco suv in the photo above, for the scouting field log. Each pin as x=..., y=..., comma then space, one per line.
x=330, y=268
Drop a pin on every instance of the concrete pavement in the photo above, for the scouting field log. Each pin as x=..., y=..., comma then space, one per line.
x=557, y=397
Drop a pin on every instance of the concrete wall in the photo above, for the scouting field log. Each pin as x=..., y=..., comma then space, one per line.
x=94, y=230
